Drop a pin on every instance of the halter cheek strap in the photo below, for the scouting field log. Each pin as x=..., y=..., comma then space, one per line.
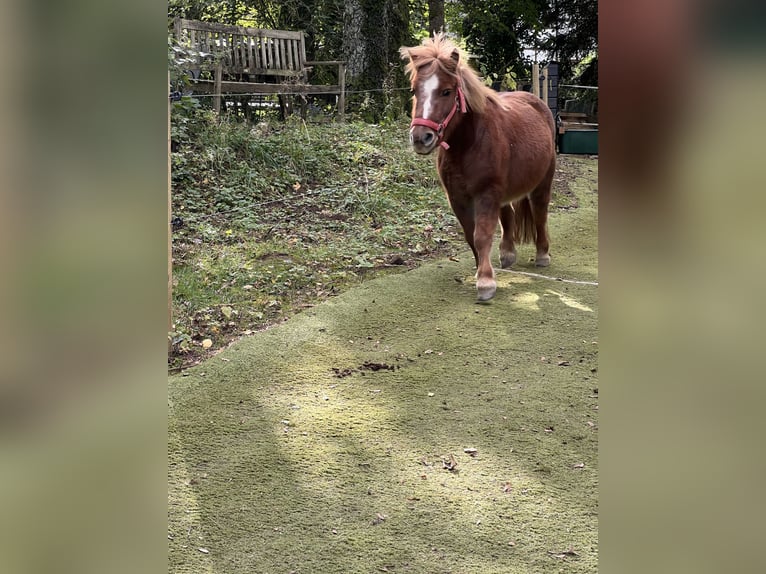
x=439, y=128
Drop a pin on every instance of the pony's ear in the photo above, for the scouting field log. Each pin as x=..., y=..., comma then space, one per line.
x=455, y=55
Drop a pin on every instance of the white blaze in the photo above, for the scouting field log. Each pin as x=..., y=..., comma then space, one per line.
x=429, y=87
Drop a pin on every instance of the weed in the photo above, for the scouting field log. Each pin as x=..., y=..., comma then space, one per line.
x=275, y=217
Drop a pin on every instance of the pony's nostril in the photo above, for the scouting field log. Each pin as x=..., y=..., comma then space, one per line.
x=428, y=138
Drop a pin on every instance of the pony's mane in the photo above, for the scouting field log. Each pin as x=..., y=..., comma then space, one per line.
x=436, y=53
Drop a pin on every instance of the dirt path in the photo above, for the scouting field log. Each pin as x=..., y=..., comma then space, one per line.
x=402, y=427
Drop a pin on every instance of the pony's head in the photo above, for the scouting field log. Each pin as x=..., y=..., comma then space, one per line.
x=443, y=88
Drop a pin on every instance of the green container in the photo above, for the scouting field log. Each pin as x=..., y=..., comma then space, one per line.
x=579, y=141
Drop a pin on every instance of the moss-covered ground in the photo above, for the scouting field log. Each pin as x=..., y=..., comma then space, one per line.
x=402, y=427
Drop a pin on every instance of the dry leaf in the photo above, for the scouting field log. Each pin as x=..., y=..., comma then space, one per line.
x=449, y=463
x=579, y=465
x=564, y=554
x=471, y=451
x=207, y=343
x=204, y=550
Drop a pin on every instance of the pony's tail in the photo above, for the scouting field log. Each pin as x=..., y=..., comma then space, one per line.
x=524, y=230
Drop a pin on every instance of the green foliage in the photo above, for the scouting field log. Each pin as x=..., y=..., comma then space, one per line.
x=496, y=31
x=575, y=33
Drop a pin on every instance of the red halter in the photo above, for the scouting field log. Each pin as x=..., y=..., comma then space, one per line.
x=439, y=128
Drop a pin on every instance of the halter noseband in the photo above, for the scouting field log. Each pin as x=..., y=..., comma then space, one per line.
x=439, y=128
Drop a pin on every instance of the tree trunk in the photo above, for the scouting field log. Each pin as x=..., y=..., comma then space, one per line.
x=373, y=31
x=354, y=46
x=435, y=16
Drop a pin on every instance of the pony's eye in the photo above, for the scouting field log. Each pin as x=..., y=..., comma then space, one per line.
x=446, y=92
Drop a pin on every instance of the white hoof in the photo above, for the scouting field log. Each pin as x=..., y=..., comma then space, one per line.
x=543, y=260
x=485, y=289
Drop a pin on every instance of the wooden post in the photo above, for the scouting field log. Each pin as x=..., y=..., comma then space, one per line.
x=217, y=86
x=544, y=94
x=536, y=79
x=170, y=237
x=342, y=96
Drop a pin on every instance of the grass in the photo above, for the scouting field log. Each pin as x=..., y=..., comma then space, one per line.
x=274, y=218
x=336, y=441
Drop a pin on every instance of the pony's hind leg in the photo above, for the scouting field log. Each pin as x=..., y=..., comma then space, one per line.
x=507, y=247
x=540, y=198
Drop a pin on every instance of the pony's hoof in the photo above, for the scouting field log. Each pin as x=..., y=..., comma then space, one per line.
x=543, y=261
x=485, y=289
x=507, y=259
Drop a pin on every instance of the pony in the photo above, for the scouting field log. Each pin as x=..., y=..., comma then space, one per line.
x=496, y=154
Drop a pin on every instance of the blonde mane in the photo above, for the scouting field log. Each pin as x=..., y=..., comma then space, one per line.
x=437, y=52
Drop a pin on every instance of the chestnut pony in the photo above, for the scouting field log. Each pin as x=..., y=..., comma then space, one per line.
x=496, y=154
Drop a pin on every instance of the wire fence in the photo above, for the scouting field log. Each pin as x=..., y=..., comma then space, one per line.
x=297, y=91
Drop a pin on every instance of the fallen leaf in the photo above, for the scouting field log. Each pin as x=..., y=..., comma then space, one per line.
x=564, y=554
x=207, y=343
x=204, y=550
x=507, y=487
x=449, y=463
x=471, y=451
x=563, y=363
x=379, y=518
x=579, y=465
x=227, y=311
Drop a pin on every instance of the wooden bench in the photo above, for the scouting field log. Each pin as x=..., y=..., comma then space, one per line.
x=255, y=61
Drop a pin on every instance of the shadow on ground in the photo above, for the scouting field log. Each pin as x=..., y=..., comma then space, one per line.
x=401, y=427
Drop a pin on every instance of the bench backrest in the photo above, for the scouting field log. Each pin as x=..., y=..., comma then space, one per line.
x=246, y=50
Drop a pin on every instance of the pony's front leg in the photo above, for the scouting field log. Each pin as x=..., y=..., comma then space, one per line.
x=484, y=230
x=464, y=214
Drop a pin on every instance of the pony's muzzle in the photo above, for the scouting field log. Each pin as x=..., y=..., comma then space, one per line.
x=423, y=139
